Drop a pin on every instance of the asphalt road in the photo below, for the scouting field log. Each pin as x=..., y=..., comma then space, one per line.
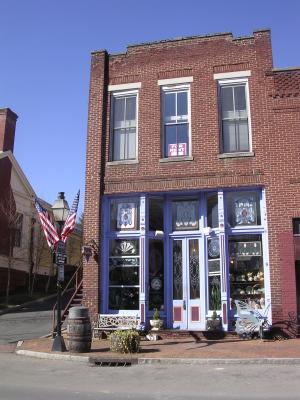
x=29, y=322
x=35, y=379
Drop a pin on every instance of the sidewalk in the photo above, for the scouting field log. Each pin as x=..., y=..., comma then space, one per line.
x=179, y=350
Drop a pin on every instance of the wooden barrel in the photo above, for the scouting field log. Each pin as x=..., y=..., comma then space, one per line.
x=79, y=332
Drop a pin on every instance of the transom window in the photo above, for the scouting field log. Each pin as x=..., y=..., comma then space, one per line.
x=235, y=117
x=176, y=121
x=124, y=130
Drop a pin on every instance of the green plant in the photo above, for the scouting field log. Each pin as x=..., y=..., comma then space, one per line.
x=213, y=323
x=125, y=341
x=214, y=315
x=156, y=314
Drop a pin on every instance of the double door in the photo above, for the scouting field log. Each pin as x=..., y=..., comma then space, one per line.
x=187, y=278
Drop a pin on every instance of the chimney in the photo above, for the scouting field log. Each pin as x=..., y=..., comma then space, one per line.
x=8, y=121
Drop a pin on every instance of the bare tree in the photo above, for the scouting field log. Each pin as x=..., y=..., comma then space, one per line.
x=11, y=220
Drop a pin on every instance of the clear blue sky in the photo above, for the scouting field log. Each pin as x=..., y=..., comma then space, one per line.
x=45, y=59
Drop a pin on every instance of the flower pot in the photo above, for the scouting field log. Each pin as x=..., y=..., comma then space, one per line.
x=213, y=324
x=156, y=324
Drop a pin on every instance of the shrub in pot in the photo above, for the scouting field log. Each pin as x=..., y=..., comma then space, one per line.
x=213, y=323
x=156, y=323
x=127, y=341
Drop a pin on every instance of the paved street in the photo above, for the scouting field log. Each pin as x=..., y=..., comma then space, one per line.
x=28, y=322
x=34, y=379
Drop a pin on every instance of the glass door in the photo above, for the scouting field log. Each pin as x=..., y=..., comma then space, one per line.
x=186, y=284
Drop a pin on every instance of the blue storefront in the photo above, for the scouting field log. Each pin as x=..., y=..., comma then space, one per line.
x=186, y=254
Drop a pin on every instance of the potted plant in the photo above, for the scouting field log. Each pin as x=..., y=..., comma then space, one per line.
x=125, y=341
x=213, y=323
x=156, y=323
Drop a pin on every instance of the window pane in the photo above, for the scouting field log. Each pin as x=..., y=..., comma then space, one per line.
x=239, y=97
x=177, y=269
x=156, y=215
x=212, y=211
x=156, y=274
x=119, y=109
x=246, y=270
x=130, y=144
x=296, y=226
x=194, y=273
x=169, y=105
x=123, y=298
x=119, y=145
x=185, y=215
x=226, y=101
x=229, y=137
x=182, y=104
x=243, y=135
x=123, y=275
x=243, y=208
x=124, y=215
x=214, y=279
x=182, y=134
x=170, y=139
x=131, y=111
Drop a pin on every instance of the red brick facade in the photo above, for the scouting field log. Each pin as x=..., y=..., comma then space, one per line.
x=275, y=121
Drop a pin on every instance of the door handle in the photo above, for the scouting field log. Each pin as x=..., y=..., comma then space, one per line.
x=184, y=304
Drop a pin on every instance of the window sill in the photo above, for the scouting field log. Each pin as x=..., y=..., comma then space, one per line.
x=237, y=155
x=122, y=162
x=176, y=159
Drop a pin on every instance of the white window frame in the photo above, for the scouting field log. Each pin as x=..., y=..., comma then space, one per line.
x=170, y=89
x=114, y=95
x=231, y=82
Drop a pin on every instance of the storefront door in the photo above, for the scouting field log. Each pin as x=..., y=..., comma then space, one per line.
x=186, y=283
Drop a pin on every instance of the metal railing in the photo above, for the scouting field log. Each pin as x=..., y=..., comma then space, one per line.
x=76, y=280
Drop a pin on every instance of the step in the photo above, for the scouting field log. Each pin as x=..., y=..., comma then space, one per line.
x=198, y=335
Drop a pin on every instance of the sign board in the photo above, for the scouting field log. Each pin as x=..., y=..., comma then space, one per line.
x=60, y=260
x=179, y=149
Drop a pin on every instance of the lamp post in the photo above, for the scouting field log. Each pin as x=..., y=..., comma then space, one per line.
x=60, y=210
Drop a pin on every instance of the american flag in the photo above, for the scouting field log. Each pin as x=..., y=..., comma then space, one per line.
x=47, y=224
x=71, y=219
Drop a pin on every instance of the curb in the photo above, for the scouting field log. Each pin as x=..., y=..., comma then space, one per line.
x=53, y=356
x=166, y=361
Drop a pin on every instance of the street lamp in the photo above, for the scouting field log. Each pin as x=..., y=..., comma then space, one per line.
x=60, y=210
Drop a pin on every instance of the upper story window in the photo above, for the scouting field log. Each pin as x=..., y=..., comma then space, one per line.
x=234, y=112
x=176, y=121
x=124, y=126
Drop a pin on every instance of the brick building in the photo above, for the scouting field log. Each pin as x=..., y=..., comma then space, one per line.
x=192, y=183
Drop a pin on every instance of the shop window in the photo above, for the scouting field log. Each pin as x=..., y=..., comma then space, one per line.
x=156, y=274
x=124, y=274
x=212, y=210
x=243, y=208
x=156, y=214
x=234, y=117
x=176, y=121
x=214, y=276
x=124, y=215
x=124, y=126
x=18, y=226
x=246, y=270
x=185, y=215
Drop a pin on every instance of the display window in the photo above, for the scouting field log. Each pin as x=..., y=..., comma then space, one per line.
x=246, y=270
x=124, y=274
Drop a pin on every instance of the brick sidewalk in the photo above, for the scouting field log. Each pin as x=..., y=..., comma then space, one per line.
x=188, y=348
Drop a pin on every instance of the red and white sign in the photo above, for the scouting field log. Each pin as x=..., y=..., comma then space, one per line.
x=177, y=149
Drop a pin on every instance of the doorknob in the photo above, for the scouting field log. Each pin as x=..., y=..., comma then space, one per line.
x=184, y=305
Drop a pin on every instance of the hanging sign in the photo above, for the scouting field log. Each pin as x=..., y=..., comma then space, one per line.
x=60, y=260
